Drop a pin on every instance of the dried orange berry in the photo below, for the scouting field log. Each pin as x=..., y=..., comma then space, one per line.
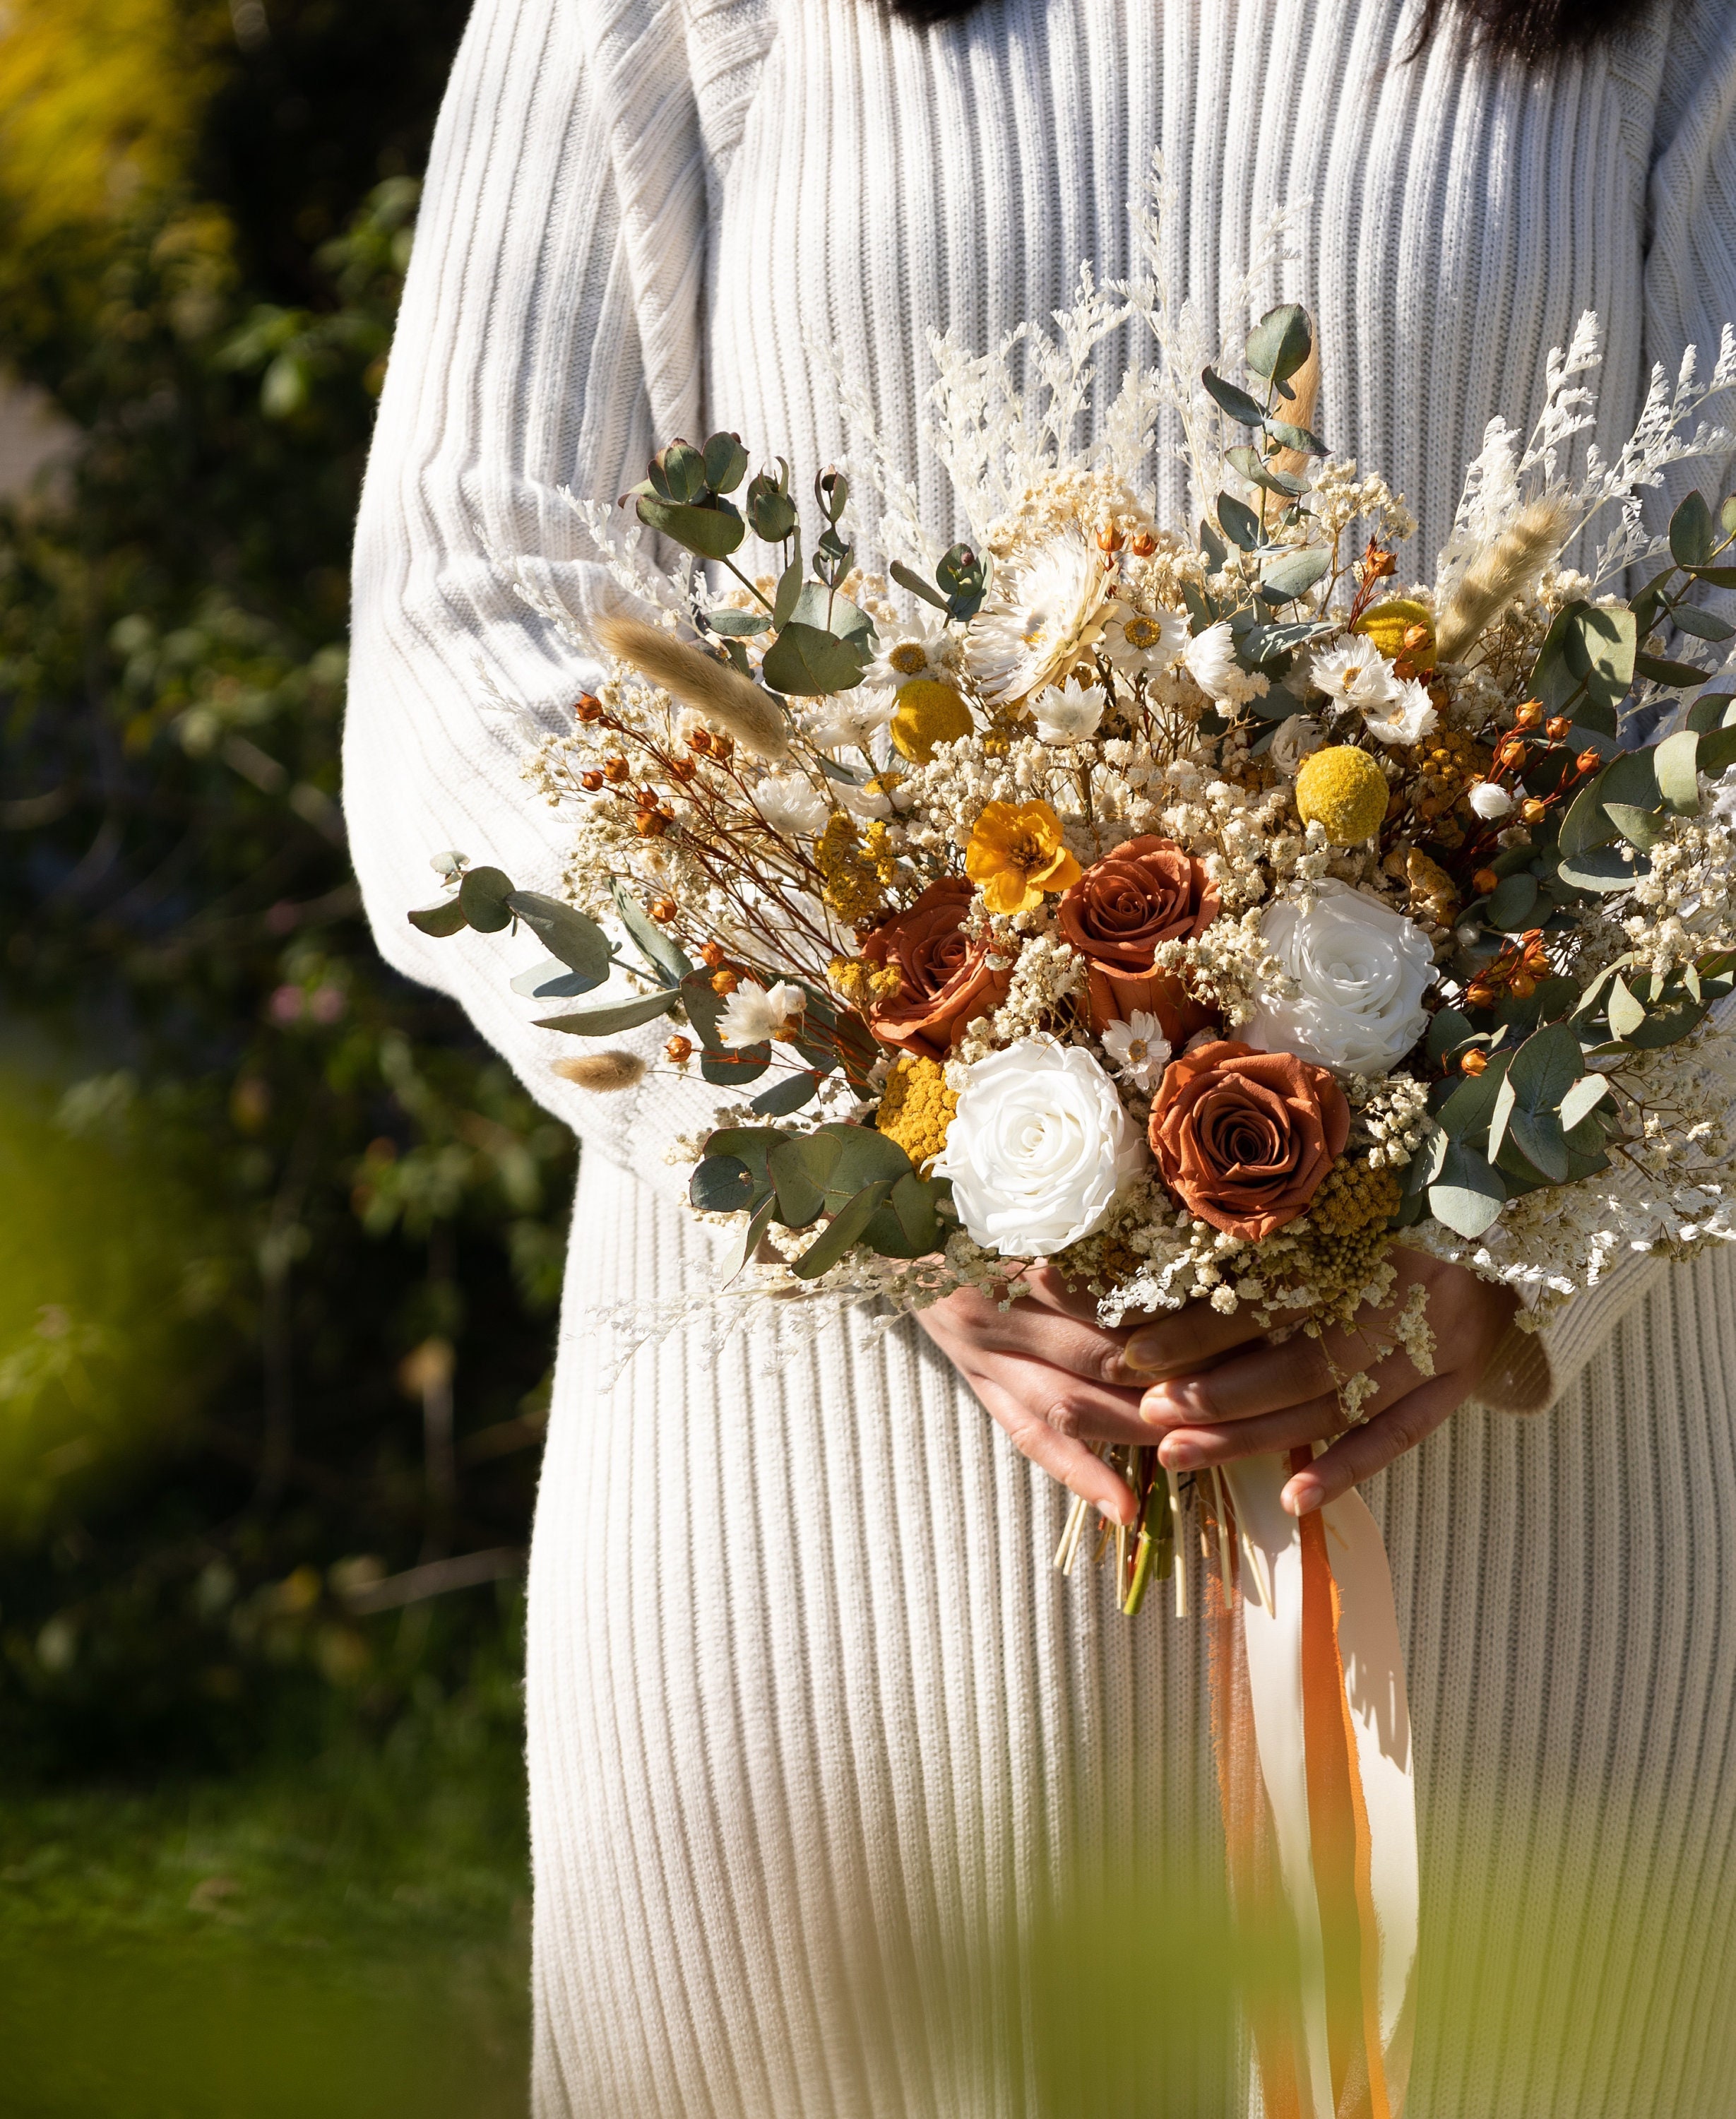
x=1144, y=544
x=615, y=770
x=650, y=825
x=664, y=908
x=590, y=781
x=1557, y=728
x=1589, y=761
x=1510, y=751
x=1533, y=811
x=1522, y=986
x=1109, y=539
x=1528, y=715
x=724, y=981
x=1484, y=881
x=1473, y=1062
x=712, y=955
x=1480, y=995
x=699, y=740
x=680, y=1050
x=587, y=707
x=683, y=768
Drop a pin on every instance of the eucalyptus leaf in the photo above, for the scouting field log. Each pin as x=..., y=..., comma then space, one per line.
x=1511, y=904
x=842, y=1232
x=714, y=533
x=721, y=1186
x=611, y=1018
x=446, y=918
x=1303, y=439
x=1239, y=522
x=1671, y=675
x=747, y=1243
x=552, y=980
x=906, y=578
x=788, y=588
x=1217, y=552
x=1586, y=824
x=800, y=1164
x=1702, y=624
x=1718, y=750
x=1448, y=1029
x=1604, y=868
x=1280, y=343
x=1692, y=537
x=806, y=662
x=1294, y=574
x=1711, y=710
x=1640, y=827
x=571, y=935
x=789, y=1095
x=1676, y=762
x=662, y=952
x=483, y=894
x=1236, y=402
x=1667, y=1025
x=1588, y=1090
x=736, y=624
x=1467, y=1195
x=725, y=461
x=735, y=1065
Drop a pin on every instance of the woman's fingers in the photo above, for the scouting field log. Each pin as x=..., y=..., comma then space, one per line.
x=1192, y=1338
x=1032, y=1329
x=1262, y=1379
x=1316, y=1419
x=1369, y=1449
x=1065, y=1459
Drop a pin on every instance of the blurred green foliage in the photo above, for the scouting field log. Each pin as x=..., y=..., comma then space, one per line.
x=277, y=1277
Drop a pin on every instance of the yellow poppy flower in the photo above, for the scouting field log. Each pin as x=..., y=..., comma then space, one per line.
x=1016, y=854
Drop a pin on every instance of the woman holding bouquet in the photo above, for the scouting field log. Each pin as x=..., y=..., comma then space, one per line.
x=816, y=1740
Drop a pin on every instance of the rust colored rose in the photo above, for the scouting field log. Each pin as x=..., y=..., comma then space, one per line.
x=946, y=976
x=1145, y=893
x=1243, y=1138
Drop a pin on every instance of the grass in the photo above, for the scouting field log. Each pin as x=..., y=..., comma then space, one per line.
x=345, y=1936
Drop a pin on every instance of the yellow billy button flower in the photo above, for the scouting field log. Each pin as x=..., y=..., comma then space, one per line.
x=927, y=713
x=1016, y=854
x=1344, y=791
x=1401, y=626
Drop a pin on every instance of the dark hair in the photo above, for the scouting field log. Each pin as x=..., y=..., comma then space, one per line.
x=1530, y=29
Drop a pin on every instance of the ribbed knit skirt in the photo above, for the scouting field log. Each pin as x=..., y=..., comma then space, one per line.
x=843, y=1803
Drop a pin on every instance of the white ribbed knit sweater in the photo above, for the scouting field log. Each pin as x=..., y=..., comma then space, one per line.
x=786, y=1797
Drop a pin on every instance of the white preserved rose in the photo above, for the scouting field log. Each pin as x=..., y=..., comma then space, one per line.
x=1363, y=970
x=1038, y=1149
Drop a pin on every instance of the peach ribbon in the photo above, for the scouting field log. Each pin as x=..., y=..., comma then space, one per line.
x=1315, y=1772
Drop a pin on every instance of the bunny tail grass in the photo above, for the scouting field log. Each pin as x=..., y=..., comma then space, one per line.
x=1509, y=567
x=727, y=700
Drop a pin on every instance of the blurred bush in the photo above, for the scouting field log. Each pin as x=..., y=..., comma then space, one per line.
x=276, y=1283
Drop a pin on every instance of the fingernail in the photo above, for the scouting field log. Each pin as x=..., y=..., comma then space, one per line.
x=1108, y=1512
x=1180, y=1456
x=1171, y=1402
x=1302, y=1496
x=1145, y=1353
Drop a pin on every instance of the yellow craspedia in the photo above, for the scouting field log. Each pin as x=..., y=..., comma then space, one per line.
x=1401, y=626
x=1345, y=792
x=927, y=713
x=917, y=1108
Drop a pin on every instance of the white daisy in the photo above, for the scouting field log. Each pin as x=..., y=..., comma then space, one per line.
x=1138, y=1050
x=1211, y=657
x=910, y=652
x=1490, y=801
x=1354, y=673
x=1407, y=717
x=1137, y=640
x=1042, y=612
x=752, y=1014
x=1070, y=712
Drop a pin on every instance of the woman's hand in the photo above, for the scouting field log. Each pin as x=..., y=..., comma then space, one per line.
x=1226, y=1392
x=1048, y=1372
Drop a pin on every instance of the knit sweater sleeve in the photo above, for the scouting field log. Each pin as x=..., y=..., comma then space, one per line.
x=550, y=331
x=1690, y=295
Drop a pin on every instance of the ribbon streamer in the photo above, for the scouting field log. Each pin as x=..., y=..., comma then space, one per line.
x=1316, y=1777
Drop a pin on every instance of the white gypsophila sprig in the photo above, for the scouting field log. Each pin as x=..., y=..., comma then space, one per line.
x=621, y=547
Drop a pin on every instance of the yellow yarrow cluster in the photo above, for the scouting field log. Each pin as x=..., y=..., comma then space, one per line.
x=1342, y=790
x=917, y=1107
x=855, y=871
x=1353, y=1196
x=860, y=983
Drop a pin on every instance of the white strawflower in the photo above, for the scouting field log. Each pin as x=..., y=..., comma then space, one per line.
x=850, y=720
x=1137, y=640
x=1069, y=712
x=790, y=803
x=1407, y=717
x=752, y=1014
x=1363, y=970
x=1354, y=673
x=1211, y=657
x=1138, y=1048
x=1042, y=612
x=1293, y=741
x=1039, y=1147
x=1490, y=801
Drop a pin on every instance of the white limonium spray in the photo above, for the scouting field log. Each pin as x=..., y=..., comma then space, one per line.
x=1362, y=970
x=753, y=1013
x=1406, y=717
x=1038, y=1149
x=1070, y=712
x=1137, y=1048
